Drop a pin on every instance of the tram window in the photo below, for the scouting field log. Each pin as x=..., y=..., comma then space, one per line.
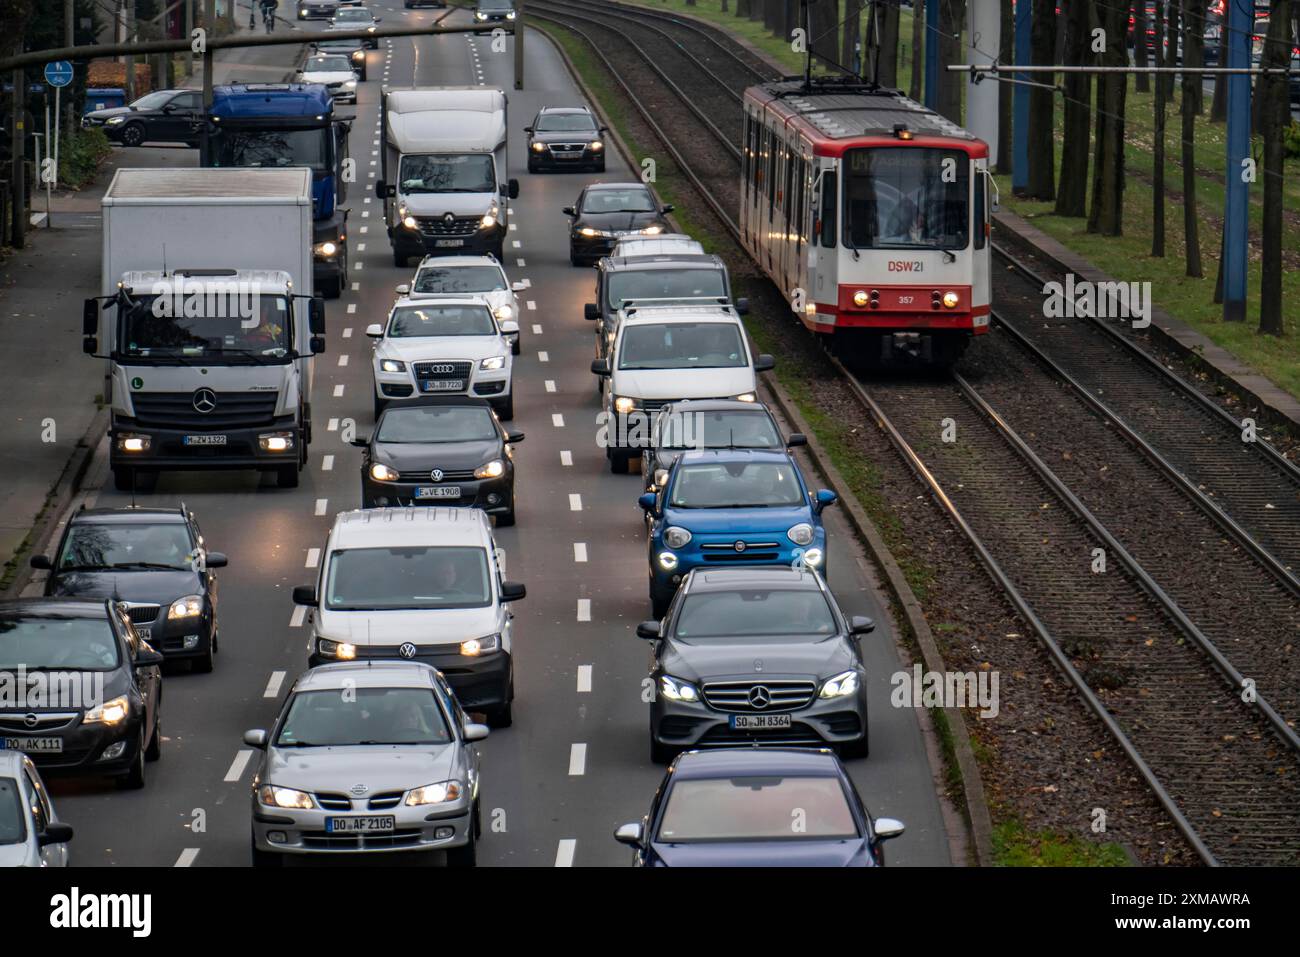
x=906, y=198
x=980, y=220
x=829, y=205
x=787, y=193
x=771, y=172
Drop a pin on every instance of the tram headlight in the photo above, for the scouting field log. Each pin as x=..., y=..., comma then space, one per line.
x=860, y=298
x=950, y=300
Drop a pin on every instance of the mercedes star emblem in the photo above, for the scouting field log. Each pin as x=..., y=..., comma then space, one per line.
x=759, y=697
x=407, y=650
x=436, y=475
x=205, y=400
x=740, y=546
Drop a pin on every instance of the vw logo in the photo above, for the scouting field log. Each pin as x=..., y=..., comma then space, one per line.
x=358, y=789
x=436, y=475
x=741, y=546
x=407, y=650
x=30, y=720
x=448, y=218
x=205, y=400
x=759, y=697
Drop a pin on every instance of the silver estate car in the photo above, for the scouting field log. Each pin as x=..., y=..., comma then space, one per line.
x=373, y=756
x=31, y=834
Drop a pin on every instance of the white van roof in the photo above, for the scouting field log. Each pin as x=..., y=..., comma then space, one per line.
x=666, y=245
x=415, y=525
x=462, y=118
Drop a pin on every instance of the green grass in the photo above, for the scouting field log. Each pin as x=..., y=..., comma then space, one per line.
x=1014, y=846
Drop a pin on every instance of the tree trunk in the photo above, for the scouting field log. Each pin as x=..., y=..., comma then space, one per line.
x=1139, y=11
x=918, y=51
x=1042, y=106
x=1219, y=105
x=1193, y=38
x=852, y=36
x=1072, y=197
x=1275, y=115
x=1158, y=177
x=1107, y=213
x=952, y=19
x=789, y=19
x=1006, y=54
x=743, y=8
x=1172, y=29
x=772, y=11
x=757, y=9
x=823, y=17
x=888, y=14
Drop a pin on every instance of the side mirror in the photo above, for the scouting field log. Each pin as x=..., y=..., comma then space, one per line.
x=41, y=561
x=89, y=345
x=89, y=317
x=509, y=326
x=764, y=363
x=825, y=497
x=604, y=129
x=360, y=442
x=514, y=189
x=861, y=625
x=742, y=306
x=381, y=190
x=795, y=440
x=600, y=367
x=475, y=732
x=305, y=595
x=887, y=828
x=316, y=315
x=216, y=560
x=668, y=208
x=56, y=832
x=569, y=211
x=528, y=129
x=402, y=288
x=630, y=834
x=257, y=738
x=375, y=331
x=514, y=438
x=512, y=591
x=147, y=656
x=646, y=501
x=649, y=630
x=317, y=345
x=591, y=311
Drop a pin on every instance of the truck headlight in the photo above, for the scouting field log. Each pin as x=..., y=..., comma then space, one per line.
x=276, y=441
x=272, y=796
x=667, y=561
x=623, y=405
x=409, y=222
x=131, y=442
x=382, y=473
x=676, y=537
x=326, y=248
x=341, y=650
x=392, y=365
x=494, y=469
x=191, y=606
x=492, y=363
x=489, y=218
x=801, y=534
x=359, y=55
x=444, y=792
x=842, y=685
x=481, y=646
x=675, y=689
x=110, y=712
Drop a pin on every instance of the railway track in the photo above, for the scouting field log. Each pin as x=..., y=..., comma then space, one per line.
x=1198, y=707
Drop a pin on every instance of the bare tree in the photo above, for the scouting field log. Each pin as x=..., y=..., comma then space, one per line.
x=1006, y=54
x=952, y=17
x=1275, y=115
x=1193, y=42
x=1072, y=197
x=1219, y=105
x=853, y=31
x=1158, y=176
x=1106, y=215
x=918, y=48
x=1042, y=105
x=823, y=18
x=1139, y=14
x=888, y=20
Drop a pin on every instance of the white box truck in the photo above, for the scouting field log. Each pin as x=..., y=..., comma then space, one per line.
x=444, y=180
x=207, y=321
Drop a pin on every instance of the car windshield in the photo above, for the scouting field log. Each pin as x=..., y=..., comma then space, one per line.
x=624, y=286
x=414, y=576
x=450, y=280
x=319, y=719
x=755, y=612
x=56, y=643
x=153, y=101
x=906, y=198
x=683, y=429
x=495, y=5
x=339, y=46
x=681, y=345
x=565, y=123
x=409, y=322
x=756, y=809
x=328, y=64
x=13, y=825
x=447, y=173
x=236, y=326
x=618, y=201
x=737, y=485
x=94, y=546
x=436, y=424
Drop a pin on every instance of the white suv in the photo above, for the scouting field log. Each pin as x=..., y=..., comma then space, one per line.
x=452, y=346
x=442, y=277
x=419, y=584
x=664, y=354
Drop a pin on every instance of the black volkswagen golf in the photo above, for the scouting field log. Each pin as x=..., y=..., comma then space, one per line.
x=89, y=687
x=605, y=213
x=153, y=561
x=440, y=450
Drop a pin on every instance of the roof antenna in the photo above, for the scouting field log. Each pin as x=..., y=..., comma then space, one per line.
x=164, y=258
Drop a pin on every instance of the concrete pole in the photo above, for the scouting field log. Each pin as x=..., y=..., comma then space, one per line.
x=189, y=32
x=209, y=17
x=983, y=41
x=932, y=65
x=519, y=44
x=1020, y=101
x=130, y=58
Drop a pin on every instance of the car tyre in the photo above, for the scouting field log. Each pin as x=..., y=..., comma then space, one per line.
x=286, y=476
x=203, y=664
x=400, y=260
x=659, y=602
x=506, y=411
x=379, y=407
x=574, y=259
x=515, y=347
x=661, y=753
x=154, y=751
x=133, y=134
x=133, y=780
x=619, y=462
x=507, y=519
x=266, y=858
x=466, y=855
x=504, y=716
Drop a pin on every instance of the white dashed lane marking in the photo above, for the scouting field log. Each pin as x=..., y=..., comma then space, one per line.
x=550, y=385
x=564, y=853
x=313, y=557
x=273, y=686
x=322, y=505
x=557, y=420
x=578, y=760
x=187, y=857
x=575, y=502
x=584, y=679
x=584, y=609
x=566, y=457
x=237, y=766
x=296, y=619
x=579, y=551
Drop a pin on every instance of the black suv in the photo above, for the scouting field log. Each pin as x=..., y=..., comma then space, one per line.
x=566, y=137
x=151, y=560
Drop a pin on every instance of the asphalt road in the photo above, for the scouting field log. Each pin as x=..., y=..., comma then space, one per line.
x=575, y=764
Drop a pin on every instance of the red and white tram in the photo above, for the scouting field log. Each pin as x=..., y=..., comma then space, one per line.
x=871, y=213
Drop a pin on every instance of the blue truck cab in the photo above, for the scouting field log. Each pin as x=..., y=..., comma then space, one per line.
x=289, y=124
x=732, y=507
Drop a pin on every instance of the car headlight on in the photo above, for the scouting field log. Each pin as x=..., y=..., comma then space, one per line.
x=392, y=365
x=340, y=650
x=272, y=796
x=597, y=146
x=359, y=55
x=326, y=249
x=492, y=363
x=652, y=231
x=511, y=15
x=676, y=537
x=592, y=233
x=489, y=219
x=950, y=300
x=479, y=15
x=480, y=646
x=443, y=792
x=667, y=561
x=350, y=84
x=494, y=469
x=812, y=557
x=538, y=147
x=505, y=311
x=623, y=405
x=675, y=689
x=130, y=442
x=110, y=712
x=114, y=120
x=382, y=473
x=845, y=683
x=275, y=441
x=746, y=397
x=191, y=606
x=370, y=29
x=409, y=222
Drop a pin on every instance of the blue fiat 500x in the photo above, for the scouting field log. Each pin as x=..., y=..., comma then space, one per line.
x=732, y=507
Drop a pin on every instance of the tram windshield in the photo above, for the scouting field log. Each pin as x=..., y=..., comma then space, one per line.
x=906, y=198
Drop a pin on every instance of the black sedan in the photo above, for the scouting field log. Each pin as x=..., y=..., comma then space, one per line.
x=164, y=116
x=441, y=450
x=99, y=714
x=749, y=808
x=154, y=562
x=566, y=137
x=709, y=424
x=606, y=212
x=494, y=13
x=354, y=50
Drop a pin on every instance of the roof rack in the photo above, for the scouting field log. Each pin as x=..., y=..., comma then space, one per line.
x=640, y=302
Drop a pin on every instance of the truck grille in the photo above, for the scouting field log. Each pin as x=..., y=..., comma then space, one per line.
x=782, y=695
x=232, y=410
x=459, y=226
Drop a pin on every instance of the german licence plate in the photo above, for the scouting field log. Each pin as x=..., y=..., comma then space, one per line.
x=360, y=825
x=449, y=243
x=204, y=440
x=443, y=385
x=438, y=491
x=759, y=722
x=35, y=745
x=146, y=634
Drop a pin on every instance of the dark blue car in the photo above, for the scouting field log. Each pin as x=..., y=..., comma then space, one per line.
x=732, y=507
x=758, y=808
